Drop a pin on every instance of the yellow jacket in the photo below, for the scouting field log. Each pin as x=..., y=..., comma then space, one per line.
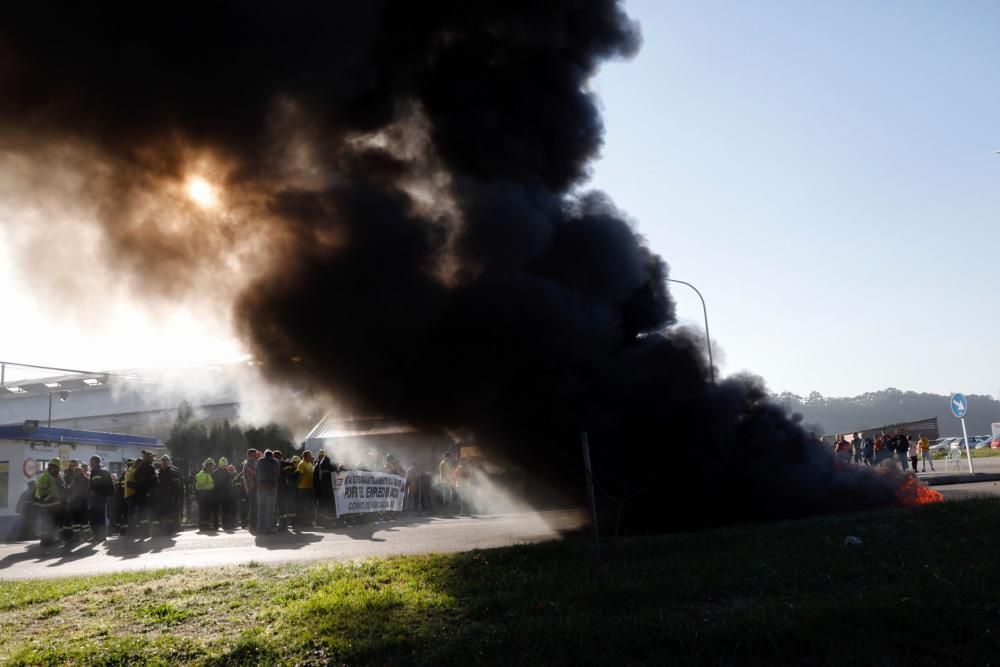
x=923, y=444
x=305, y=471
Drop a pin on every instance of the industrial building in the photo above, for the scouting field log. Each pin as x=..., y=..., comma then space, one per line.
x=129, y=402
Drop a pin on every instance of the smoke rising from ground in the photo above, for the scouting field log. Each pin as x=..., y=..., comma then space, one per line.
x=401, y=227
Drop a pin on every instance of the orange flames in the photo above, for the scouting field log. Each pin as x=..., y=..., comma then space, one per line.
x=913, y=492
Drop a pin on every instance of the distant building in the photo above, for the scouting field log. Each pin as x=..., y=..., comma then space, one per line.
x=109, y=402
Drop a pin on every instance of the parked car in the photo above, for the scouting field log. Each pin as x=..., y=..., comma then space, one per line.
x=995, y=443
x=941, y=443
x=981, y=442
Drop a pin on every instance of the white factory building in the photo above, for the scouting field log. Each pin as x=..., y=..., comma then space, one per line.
x=126, y=402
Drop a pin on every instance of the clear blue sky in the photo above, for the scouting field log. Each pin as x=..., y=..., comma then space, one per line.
x=825, y=173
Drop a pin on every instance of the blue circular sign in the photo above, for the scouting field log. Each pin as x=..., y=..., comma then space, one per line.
x=959, y=405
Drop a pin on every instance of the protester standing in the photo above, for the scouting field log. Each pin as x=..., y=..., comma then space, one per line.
x=324, y=473
x=911, y=453
x=924, y=445
x=843, y=449
x=170, y=497
x=48, y=499
x=144, y=486
x=266, y=471
x=131, y=507
x=867, y=449
x=26, y=509
x=288, y=482
x=119, y=519
x=204, y=488
x=412, y=501
x=223, y=486
x=306, y=500
x=445, y=480
x=463, y=481
x=902, y=447
x=250, y=487
x=879, y=448
x=77, y=493
x=101, y=487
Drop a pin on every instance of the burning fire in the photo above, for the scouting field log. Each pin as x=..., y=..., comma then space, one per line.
x=913, y=492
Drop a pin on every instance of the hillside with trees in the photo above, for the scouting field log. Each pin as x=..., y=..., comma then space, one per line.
x=829, y=415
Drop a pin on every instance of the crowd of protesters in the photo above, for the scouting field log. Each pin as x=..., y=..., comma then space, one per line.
x=86, y=501
x=874, y=449
x=268, y=492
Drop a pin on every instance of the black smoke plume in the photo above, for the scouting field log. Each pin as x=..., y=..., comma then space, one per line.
x=414, y=172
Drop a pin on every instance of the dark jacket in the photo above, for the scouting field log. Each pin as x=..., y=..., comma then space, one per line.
x=323, y=475
x=145, y=481
x=170, y=486
x=101, y=486
x=266, y=473
x=79, y=488
x=288, y=478
x=223, y=482
x=868, y=448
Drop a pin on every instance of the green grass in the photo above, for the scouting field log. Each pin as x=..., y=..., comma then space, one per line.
x=164, y=613
x=49, y=612
x=920, y=590
x=19, y=594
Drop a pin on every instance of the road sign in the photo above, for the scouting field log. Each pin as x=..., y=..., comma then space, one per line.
x=959, y=405
x=960, y=408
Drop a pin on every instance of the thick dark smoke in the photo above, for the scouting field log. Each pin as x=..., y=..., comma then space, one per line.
x=415, y=170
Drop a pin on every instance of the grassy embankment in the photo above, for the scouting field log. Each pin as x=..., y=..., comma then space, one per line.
x=921, y=589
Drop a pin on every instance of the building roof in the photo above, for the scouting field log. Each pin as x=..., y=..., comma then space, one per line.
x=330, y=428
x=46, y=434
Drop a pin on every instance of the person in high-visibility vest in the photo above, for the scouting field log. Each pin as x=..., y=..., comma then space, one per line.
x=49, y=492
x=131, y=500
x=204, y=488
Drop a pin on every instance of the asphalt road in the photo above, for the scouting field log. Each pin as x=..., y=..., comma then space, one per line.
x=987, y=464
x=408, y=535
x=971, y=490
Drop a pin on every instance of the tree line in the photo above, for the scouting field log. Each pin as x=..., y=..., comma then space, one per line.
x=192, y=440
x=829, y=415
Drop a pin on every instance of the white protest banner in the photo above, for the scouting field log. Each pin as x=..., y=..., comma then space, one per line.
x=359, y=491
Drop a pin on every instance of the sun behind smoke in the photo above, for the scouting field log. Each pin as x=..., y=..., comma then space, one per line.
x=202, y=192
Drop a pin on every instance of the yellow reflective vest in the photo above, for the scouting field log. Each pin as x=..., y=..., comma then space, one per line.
x=47, y=489
x=203, y=481
x=129, y=482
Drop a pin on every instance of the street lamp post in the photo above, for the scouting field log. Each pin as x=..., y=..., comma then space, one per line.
x=63, y=396
x=704, y=310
